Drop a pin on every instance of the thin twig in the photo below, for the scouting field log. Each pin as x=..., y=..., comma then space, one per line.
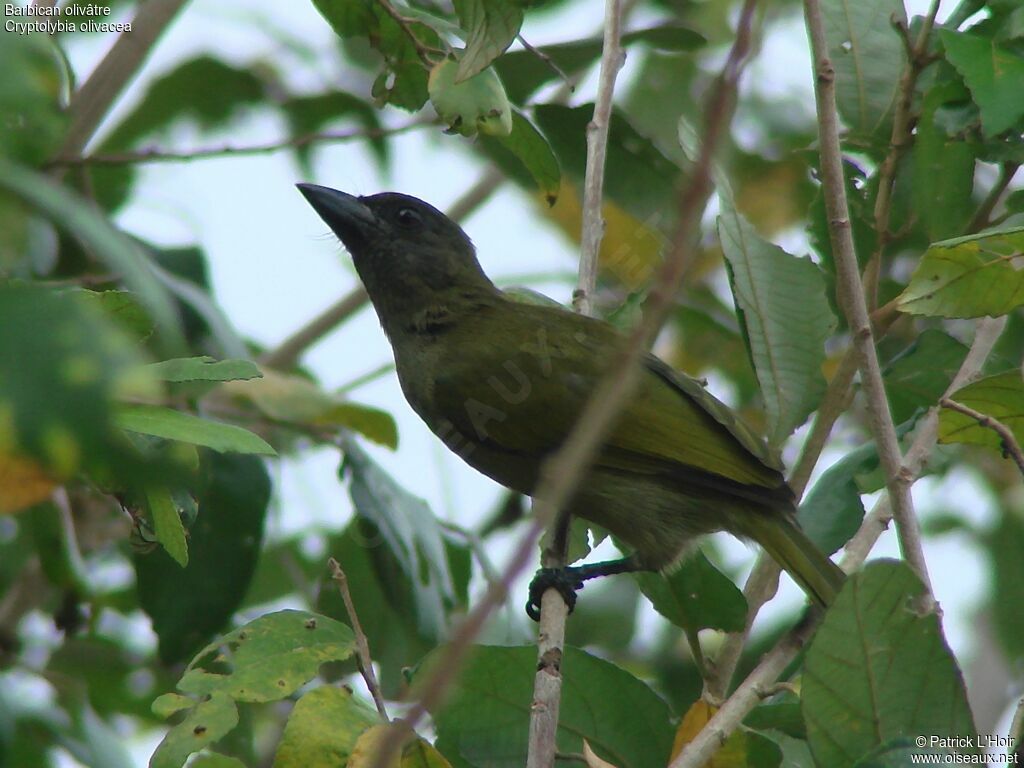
x=561, y=473
x=983, y=216
x=423, y=51
x=93, y=100
x=851, y=292
x=363, y=658
x=548, y=61
x=547, y=687
x=156, y=155
x=291, y=349
x=746, y=696
x=1011, y=447
x=1016, y=730
x=901, y=138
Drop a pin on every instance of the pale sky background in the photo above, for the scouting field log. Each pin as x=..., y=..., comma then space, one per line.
x=274, y=267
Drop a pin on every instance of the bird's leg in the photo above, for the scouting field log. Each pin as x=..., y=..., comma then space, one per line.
x=570, y=578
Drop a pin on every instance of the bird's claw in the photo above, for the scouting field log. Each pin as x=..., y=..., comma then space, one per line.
x=565, y=580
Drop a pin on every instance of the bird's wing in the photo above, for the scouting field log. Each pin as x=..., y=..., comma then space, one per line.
x=524, y=394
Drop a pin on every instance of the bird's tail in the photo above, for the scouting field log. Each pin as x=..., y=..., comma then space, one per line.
x=782, y=538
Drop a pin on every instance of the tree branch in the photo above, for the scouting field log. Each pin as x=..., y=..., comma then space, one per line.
x=746, y=697
x=562, y=472
x=93, y=100
x=423, y=51
x=851, y=292
x=901, y=138
x=547, y=684
x=1010, y=445
x=363, y=657
x=156, y=155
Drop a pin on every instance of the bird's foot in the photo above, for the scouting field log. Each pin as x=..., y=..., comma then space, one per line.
x=566, y=580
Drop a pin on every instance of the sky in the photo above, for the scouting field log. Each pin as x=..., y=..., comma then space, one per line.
x=274, y=265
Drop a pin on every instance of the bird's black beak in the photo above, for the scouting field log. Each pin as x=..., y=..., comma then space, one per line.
x=347, y=216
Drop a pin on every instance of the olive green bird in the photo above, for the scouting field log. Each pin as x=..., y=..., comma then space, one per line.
x=502, y=383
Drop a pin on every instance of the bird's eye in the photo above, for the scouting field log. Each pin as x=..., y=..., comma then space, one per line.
x=408, y=218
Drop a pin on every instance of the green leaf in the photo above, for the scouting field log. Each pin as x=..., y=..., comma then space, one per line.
x=188, y=605
x=123, y=308
x=968, y=277
x=1005, y=543
x=868, y=57
x=203, y=369
x=112, y=247
x=485, y=721
x=784, y=716
x=403, y=81
x=410, y=532
x=270, y=658
x=168, y=704
x=208, y=721
x=638, y=176
x=490, y=26
x=943, y=171
x=290, y=398
x=1000, y=397
x=919, y=375
x=323, y=728
x=30, y=96
x=63, y=364
x=167, y=524
x=474, y=105
x=785, y=317
x=877, y=670
x=526, y=148
x=170, y=424
x=523, y=72
x=696, y=596
x=311, y=114
x=993, y=73
x=832, y=510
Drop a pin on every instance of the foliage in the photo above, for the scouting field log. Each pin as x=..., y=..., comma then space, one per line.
x=147, y=586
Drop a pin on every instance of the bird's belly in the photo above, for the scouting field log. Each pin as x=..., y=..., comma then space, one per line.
x=660, y=521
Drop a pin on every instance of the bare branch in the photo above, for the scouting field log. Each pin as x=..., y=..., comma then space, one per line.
x=1010, y=445
x=612, y=59
x=425, y=52
x=155, y=155
x=851, y=292
x=363, y=658
x=901, y=138
x=547, y=686
x=93, y=100
x=561, y=473
x=983, y=216
x=548, y=61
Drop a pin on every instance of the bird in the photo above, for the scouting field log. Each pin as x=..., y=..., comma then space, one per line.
x=502, y=382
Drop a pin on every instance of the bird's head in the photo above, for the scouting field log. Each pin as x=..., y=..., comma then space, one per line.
x=408, y=254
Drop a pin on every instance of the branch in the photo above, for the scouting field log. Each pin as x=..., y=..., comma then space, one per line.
x=1010, y=445
x=287, y=354
x=562, y=472
x=746, y=696
x=612, y=59
x=363, y=657
x=547, y=684
x=423, y=51
x=156, y=155
x=982, y=217
x=901, y=137
x=93, y=100
x=851, y=292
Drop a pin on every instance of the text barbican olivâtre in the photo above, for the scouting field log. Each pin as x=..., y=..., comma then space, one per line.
x=53, y=19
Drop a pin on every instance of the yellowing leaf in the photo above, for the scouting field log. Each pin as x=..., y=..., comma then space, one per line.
x=416, y=753
x=23, y=483
x=591, y=758
x=630, y=250
x=734, y=753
